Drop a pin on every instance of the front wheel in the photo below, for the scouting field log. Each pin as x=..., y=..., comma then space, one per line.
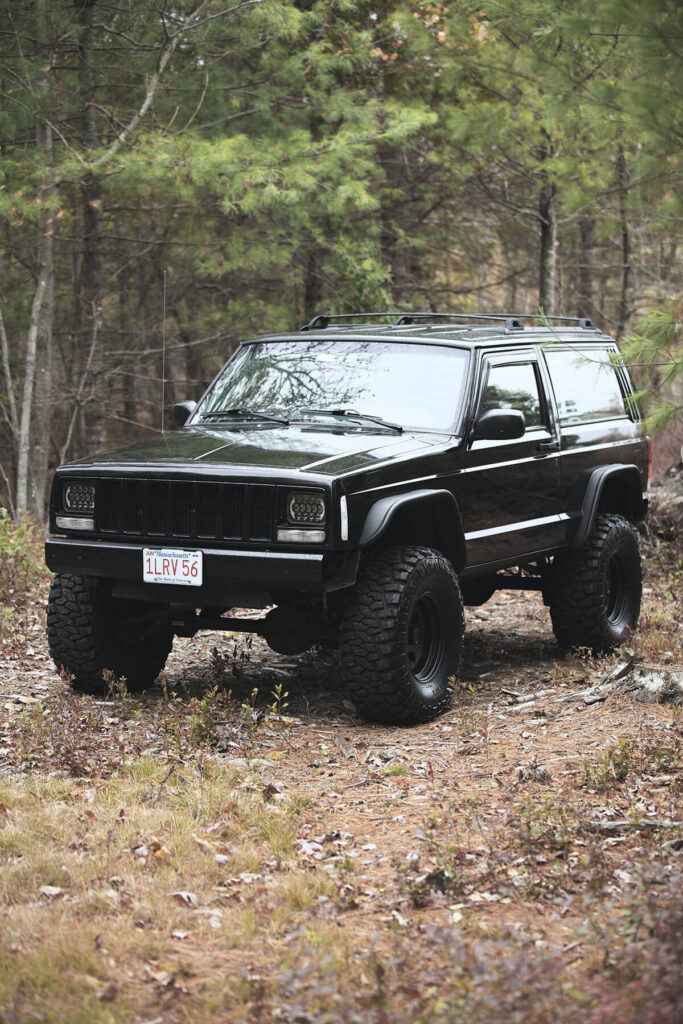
x=402, y=635
x=90, y=631
x=594, y=593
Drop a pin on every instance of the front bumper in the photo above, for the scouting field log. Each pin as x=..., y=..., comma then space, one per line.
x=225, y=570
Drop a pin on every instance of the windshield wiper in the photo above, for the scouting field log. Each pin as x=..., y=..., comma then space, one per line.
x=246, y=414
x=351, y=414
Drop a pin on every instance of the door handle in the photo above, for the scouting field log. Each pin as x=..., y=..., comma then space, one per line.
x=549, y=446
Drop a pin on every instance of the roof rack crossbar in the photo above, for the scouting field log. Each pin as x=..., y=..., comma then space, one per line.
x=513, y=321
x=322, y=320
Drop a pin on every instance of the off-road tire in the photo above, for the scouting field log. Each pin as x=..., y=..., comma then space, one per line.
x=594, y=593
x=402, y=633
x=89, y=631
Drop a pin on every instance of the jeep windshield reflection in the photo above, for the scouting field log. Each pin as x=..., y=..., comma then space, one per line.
x=348, y=385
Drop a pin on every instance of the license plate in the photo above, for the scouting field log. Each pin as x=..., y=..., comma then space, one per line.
x=166, y=565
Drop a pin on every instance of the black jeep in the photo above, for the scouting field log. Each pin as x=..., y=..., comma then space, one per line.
x=363, y=479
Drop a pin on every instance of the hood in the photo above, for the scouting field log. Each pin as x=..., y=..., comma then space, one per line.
x=307, y=448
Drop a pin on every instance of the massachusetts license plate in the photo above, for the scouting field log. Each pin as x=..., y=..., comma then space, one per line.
x=166, y=565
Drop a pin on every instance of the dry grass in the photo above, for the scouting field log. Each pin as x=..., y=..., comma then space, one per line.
x=88, y=874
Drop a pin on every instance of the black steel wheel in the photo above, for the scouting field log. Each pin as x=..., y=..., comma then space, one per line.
x=594, y=593
x=89, y=631
x=402, y=635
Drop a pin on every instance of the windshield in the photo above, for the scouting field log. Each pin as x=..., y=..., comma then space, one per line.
x=416, y=386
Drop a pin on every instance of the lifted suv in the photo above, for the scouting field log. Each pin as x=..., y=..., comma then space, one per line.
x=363, y=480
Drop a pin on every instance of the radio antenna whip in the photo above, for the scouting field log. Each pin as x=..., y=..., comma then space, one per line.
x=163, y=356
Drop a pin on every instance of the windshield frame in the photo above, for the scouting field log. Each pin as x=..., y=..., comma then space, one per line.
x=459, y=412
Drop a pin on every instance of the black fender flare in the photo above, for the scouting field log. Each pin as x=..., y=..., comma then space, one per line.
x=449, y=520
x=590, y=490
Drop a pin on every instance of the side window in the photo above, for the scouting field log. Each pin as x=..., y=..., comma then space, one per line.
x=513, y=386
x=585, y=383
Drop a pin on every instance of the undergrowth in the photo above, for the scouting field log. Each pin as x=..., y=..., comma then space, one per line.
x=21, y=558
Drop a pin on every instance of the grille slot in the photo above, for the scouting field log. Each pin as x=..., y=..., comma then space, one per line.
x=208, y=506
x=182, y=495
x=261, y=513
x=158, y=504
x=133, y=505
x=234, y=511
x=186, y=509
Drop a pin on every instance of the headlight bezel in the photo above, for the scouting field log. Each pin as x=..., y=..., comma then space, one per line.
x=306, y=508
x=79, y=497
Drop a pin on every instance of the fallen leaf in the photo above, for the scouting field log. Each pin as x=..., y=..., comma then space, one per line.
x=52, y=892
x=203, y=845
x=188, y=899
x=109, y=993
x=308, y=848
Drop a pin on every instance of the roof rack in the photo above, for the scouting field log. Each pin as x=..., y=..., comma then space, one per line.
x=322, y=320
x=513, y=322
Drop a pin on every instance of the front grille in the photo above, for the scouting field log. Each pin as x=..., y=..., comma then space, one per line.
x=186, y=509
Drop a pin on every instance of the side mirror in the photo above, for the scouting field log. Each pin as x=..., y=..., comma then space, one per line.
x=182, y=412
x=499, y=425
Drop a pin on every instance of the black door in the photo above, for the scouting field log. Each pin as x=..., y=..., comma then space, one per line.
x=512, y=505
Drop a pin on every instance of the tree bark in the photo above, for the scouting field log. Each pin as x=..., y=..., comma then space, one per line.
x=42, y=404
x=548, y=247
x=548, y=238
x=90, y=284
x=585, y=306
x=626, y=300
x=313, y=284
x=40, y=317
x=38, y=340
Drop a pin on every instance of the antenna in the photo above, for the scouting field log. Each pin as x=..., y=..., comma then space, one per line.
x=163, y=355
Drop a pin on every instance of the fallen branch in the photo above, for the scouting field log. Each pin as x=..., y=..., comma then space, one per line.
x=592, y=695
x=617, y=828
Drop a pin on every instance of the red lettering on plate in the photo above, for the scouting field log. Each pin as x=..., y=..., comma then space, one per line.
x=165, y=566
x=174, y=566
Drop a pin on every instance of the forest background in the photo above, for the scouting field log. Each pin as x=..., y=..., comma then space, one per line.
x=203, y=171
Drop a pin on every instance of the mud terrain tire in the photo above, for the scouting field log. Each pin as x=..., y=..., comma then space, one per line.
x=90, y=631
x=402, y=635
x=595, y=593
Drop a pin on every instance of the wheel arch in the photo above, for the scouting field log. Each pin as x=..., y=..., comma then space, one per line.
x=615, y=489
x=424, y=518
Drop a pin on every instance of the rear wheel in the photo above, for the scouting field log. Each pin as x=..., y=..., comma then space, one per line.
x=595, y=593
x=402, y=635
x=90, y=631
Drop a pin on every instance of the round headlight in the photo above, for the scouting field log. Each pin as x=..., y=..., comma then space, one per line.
x=79, y=497
x=305, y=508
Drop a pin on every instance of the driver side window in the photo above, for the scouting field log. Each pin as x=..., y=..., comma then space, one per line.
x=513, y=386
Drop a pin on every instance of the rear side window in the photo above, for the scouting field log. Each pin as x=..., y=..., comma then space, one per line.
x=585, y=383
x=513, y=386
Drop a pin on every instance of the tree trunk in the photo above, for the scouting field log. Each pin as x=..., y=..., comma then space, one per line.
x=548, y=247
x=584, y=299
x=90, y=285
x=42, y=404
x=626, y=300
x=39, y=336
x=313, y=284
x=548, y=239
